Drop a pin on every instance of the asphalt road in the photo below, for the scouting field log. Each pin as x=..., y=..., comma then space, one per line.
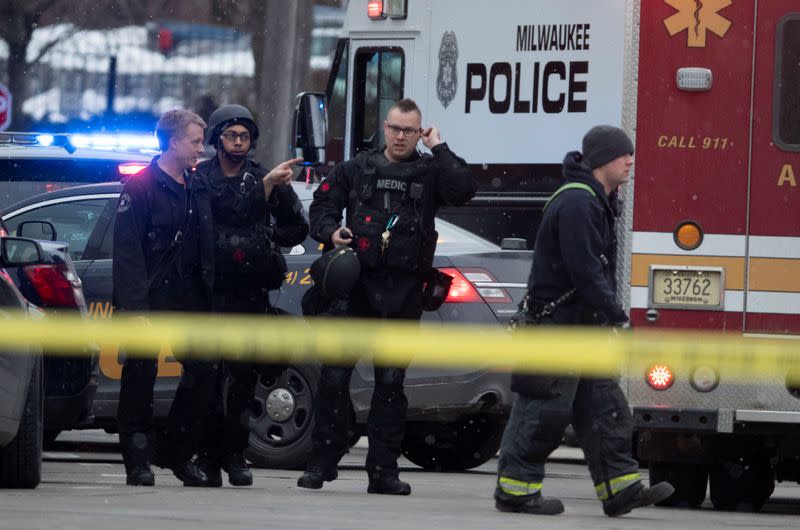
x=83, y=487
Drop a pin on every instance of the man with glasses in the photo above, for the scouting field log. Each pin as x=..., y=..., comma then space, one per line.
x=391, y=196
x=255, y=211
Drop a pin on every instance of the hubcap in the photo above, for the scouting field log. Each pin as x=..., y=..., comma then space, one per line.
x=280, y=404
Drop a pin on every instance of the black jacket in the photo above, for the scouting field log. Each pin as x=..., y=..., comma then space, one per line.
x=576, y=247
x=239, y=206
x=374, y=190
x=151, y=210
x=453, y=185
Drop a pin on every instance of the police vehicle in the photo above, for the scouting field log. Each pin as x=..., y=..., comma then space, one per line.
x=455, y=417
x=33, y=163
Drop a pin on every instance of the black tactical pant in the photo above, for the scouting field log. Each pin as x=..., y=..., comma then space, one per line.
x=195, y=398
x=242, y=377
x=386, y=422
x=598, y=411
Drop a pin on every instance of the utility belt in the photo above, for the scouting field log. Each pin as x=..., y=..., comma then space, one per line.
x=531, y=312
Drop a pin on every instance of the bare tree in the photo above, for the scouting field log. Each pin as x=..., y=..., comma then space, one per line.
x=19, y=21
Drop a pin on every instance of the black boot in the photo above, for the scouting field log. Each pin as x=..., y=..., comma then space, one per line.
x=136, y=449
x=534, y=503
x=140, y=475
x=192, y=474
x=636, y=496
x=315, y=475
x=388, y=484
x=211, y=467
x=238, y=472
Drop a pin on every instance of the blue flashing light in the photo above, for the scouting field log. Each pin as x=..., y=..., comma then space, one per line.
x=138, y=141
x=45, y=139
x=80, y=140
x=321, y=105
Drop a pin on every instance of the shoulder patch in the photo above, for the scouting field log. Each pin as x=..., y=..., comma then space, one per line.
x=124, y=203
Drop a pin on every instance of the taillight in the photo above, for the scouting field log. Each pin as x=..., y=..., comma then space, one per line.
x=54, y=284
x=660, y=377
x=461, y=290
x=490, y=293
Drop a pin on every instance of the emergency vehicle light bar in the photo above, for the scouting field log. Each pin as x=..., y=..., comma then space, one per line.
x=71, y=142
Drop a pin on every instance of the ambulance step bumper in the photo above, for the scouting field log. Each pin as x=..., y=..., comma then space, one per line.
x=676, y=419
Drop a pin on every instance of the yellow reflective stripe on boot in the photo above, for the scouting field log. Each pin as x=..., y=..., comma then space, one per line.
x=518, y=487
x=615, y=485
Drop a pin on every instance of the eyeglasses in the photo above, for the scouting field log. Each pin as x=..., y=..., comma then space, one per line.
x=232, y=136
x=408, y=131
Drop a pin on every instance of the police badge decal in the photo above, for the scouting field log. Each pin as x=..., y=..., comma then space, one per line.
x=446, y=78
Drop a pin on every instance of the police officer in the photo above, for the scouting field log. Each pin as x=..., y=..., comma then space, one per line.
x=391, y=195
x=572, y=282
x=163, y=261
x=245, y=196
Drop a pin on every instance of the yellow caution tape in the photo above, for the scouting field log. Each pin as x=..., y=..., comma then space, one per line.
x=561, y=350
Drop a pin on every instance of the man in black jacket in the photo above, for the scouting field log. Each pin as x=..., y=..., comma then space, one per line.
x=163, y=261
x=245, y=199
x=391, y=196
x=572, y=282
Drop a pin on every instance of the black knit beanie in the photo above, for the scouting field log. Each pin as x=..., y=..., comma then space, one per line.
x=604, y=143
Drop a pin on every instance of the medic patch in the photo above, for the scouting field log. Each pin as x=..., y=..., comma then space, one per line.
x=124, y=203
x=325, y=186
x=391, y=185
x=363, y=244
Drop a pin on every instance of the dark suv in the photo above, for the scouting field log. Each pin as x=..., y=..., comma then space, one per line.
x=31, y=164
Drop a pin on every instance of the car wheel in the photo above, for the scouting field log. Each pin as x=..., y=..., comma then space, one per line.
x=689, y=480
x=463, y=444
x=21, y=460
x=281, y=431
x=749, y=483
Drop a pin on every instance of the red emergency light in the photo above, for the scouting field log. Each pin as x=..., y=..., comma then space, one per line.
x=660, y=377
x=131, y=168
x=375, y=9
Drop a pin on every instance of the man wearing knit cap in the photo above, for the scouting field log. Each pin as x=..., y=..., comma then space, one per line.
x=572, y=282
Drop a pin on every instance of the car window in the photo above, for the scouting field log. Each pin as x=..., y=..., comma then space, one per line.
x=74, y=221
x=455, y=240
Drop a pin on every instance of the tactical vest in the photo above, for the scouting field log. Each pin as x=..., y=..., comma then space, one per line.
x=244, y=249
x=391, y=214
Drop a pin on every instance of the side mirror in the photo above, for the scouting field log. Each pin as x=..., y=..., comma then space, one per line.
x=513, y=243
x=310, y=127
x=37, y=230
x=16, y=251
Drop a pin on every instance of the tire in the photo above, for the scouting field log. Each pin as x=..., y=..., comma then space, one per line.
x=689, y=480
x=286, y=443
x=464, y=444
x=747, y=482
x=21, y=460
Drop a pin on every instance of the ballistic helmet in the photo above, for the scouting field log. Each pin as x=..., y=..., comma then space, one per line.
x=228, y=115
x=336, y=272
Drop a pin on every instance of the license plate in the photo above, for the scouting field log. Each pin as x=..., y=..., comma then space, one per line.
x=686, y=287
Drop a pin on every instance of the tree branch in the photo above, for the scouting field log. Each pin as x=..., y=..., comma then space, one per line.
x=49, y=46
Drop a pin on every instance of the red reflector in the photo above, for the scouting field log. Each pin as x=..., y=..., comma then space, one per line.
x=131, y=168
x=461, y=290
x=53, y=288
x=660, y=377
x=375, y=9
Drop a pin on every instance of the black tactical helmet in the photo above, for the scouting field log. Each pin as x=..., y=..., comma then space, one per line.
x=228, y=115
x=336, y=272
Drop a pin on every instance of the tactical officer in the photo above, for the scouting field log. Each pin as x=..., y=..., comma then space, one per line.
x=245, y=197
x=572, y=282
x=163, y=261
x=391, y=195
